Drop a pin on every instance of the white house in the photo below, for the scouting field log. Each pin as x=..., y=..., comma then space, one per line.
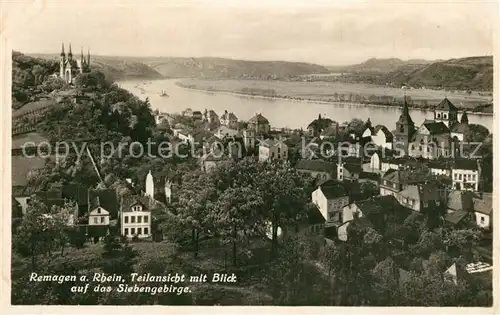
x=135, y=217
x=465, y=175
x=98, y=215
x=483, y=210
x=270, y=150
x=330, y=197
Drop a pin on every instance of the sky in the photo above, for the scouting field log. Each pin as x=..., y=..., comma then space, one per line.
x=323, y=32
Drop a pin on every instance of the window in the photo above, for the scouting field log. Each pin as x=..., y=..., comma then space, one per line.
x=126, y=218
x=132, y=231
x=139, y=231
x=125, y=231
x=460, y=176
x=132, y=219
x=146, y=231
x=482, y=220
x=139, y=219
x=444, y=115
x=95, y=220
x=99, y=210
x=102, y=219
x=473, y=177
x=439, y=115
x=278, y=150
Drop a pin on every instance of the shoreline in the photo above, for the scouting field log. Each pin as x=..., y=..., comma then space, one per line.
x=316, y=101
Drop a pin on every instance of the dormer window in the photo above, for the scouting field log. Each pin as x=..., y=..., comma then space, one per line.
x=99, y=210
x=136, y=208
x=439, y=115
x=444, y=116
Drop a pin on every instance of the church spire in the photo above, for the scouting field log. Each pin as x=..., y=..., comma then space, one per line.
x=88, y=56
x=464, y=119
x=70, y=54
x=62, y=50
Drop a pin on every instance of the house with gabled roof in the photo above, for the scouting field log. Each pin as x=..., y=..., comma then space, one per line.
x=318, y=169
x=330, y=197
x=271, y=150
x=105, y=199
x=135, y=216
x=259, y=124
x=229, y=119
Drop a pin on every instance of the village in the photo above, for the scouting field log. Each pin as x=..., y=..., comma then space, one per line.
x=405, y=194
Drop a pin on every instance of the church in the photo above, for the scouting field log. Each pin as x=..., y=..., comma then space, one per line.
x=70, y=67
x=433, y=138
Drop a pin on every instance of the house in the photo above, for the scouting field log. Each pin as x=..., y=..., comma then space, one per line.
x=318, y=125
x=249, y=138
x=319, y=169
x=483, y=210
x=97, y=214
x=107, y=200
x=188, y=112
x=211, y=116
x=440, y=167
x=394, y=181
x=465, y=174
x=348, y=171
x=460, y=203
x=135, y=217
x=313, y=225
x=229, y=119
x=419, y=197
x=330, y=197
x=382, y=137
x=184, y=135
x=259, y=124
x=223, y=132
x=271, y=150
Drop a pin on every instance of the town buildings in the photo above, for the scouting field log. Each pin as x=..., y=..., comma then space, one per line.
x=272, y=150
x=320, y=170
x=330, y=197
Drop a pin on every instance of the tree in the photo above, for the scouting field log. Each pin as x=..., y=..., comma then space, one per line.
x=195, y=203
x=236, y=214
x=41, y=229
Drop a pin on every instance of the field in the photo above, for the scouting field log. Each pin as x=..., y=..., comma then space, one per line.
x=331, y=91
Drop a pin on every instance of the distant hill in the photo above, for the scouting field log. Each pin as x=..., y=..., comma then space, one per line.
x=474, y=73
x=115, y=68
x=215, y=68
x=378, y=65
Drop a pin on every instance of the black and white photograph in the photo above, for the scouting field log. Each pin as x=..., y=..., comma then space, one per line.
x=214, y=153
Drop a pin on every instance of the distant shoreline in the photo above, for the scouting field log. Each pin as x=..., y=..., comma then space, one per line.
x=281, y=97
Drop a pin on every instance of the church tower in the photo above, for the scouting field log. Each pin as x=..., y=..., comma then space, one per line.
x=150, y=186
x=62, y=62
x=82, y=61
x=446, y=112
x=405, y=129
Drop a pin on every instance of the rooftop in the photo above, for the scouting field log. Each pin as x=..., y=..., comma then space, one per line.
x=333, y=189
x=315, y=165
x=446, y=105
x=258, y=119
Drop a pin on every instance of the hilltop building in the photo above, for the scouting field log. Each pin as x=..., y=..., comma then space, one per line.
x=69, y=68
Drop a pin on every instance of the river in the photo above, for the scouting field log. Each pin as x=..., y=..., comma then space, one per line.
x=279, y=112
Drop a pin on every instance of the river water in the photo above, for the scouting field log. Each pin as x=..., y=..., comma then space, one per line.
x=279, y=112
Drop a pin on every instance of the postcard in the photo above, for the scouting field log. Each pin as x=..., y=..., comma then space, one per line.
x=294, y=154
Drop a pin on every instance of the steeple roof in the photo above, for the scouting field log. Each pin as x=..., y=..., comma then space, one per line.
x=446, y=105
x=464, y=119
x=70, y=53
x=405, y=117
x=62, y=49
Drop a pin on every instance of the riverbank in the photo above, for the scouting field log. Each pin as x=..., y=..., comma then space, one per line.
x=337, y=93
